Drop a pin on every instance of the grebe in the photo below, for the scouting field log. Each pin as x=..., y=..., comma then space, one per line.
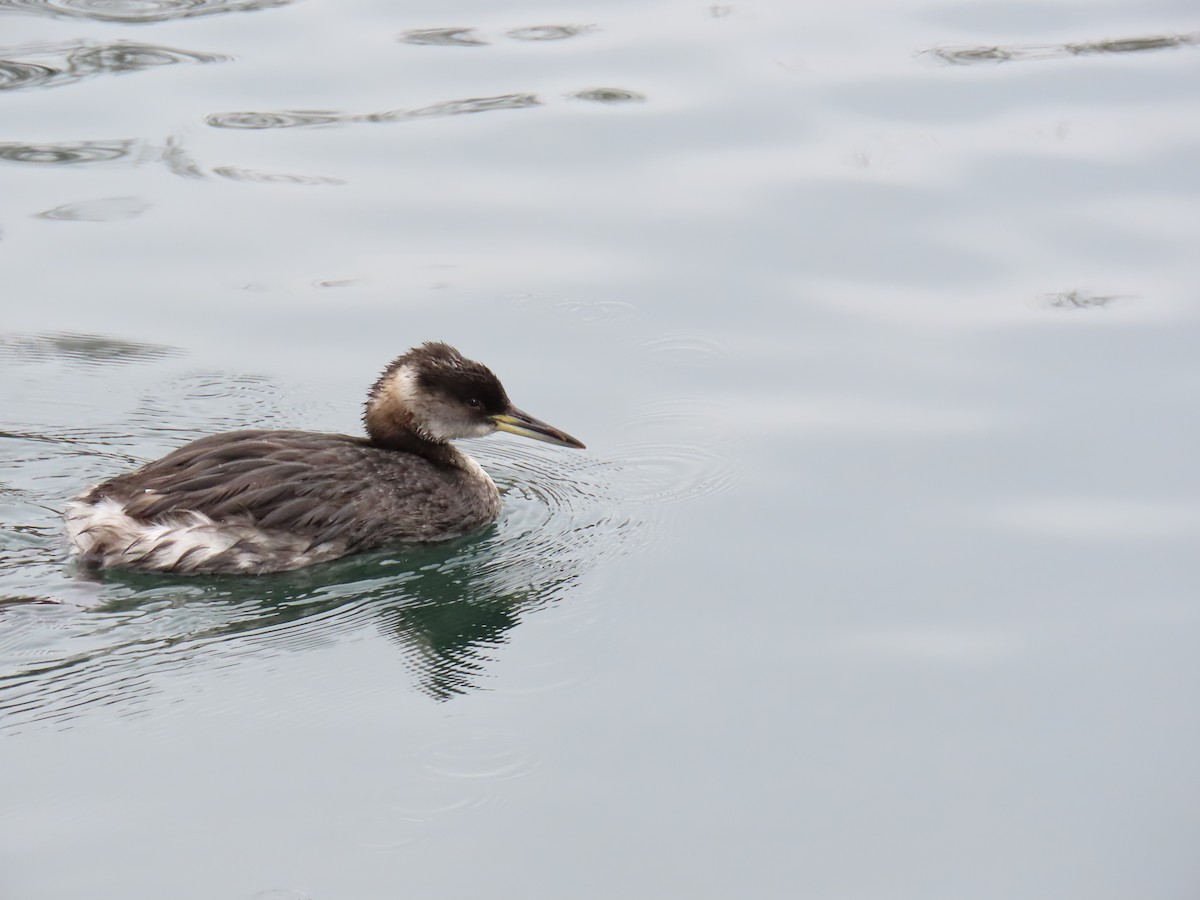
x=265, y=501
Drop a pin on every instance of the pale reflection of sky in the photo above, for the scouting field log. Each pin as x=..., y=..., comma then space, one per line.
x=1093, y=519
x=803, y=415
x=889, y=363
x=929, y=646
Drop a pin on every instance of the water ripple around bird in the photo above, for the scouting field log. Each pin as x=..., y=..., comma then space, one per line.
x=114, y=644
x=449, y=609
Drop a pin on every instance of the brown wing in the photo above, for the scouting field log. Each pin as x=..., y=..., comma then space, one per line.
x=326, y=485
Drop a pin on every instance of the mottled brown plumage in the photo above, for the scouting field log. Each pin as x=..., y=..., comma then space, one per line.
x=261, y=501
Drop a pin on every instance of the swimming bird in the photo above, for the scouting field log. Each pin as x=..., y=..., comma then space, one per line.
x=265, y=501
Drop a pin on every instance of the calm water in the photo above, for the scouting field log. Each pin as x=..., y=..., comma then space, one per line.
x=878, y=579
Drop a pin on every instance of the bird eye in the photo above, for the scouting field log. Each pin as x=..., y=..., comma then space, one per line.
x=474, y=403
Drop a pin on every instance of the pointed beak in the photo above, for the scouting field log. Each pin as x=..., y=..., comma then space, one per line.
x=516, y=422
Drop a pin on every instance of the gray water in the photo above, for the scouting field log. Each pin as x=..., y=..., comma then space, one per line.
x=878, y=578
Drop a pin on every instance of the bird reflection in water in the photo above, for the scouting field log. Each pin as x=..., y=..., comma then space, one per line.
x=448, y=608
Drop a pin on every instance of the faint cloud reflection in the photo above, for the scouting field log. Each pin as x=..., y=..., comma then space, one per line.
x=849, y=416
x=937, y=646
x=1100, y=520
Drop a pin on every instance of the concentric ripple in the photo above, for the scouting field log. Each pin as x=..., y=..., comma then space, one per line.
x=127, y=56
x=135, y=11
x=484, y=756
x=429, y=798
x=692, y=418
x=684, y=350
x=50, y=65
x=673, y=473
x=66, y=153
x=434, y=790
x=579, y=309
x=549, y=32
x=15, y=75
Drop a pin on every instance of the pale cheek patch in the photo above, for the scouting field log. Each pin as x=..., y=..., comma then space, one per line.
x=431, y=416
x=400, y=394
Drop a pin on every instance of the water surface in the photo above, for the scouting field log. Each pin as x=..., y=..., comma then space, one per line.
x=877, y=578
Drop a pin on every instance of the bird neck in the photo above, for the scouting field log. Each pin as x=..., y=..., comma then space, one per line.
x=392, y=432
